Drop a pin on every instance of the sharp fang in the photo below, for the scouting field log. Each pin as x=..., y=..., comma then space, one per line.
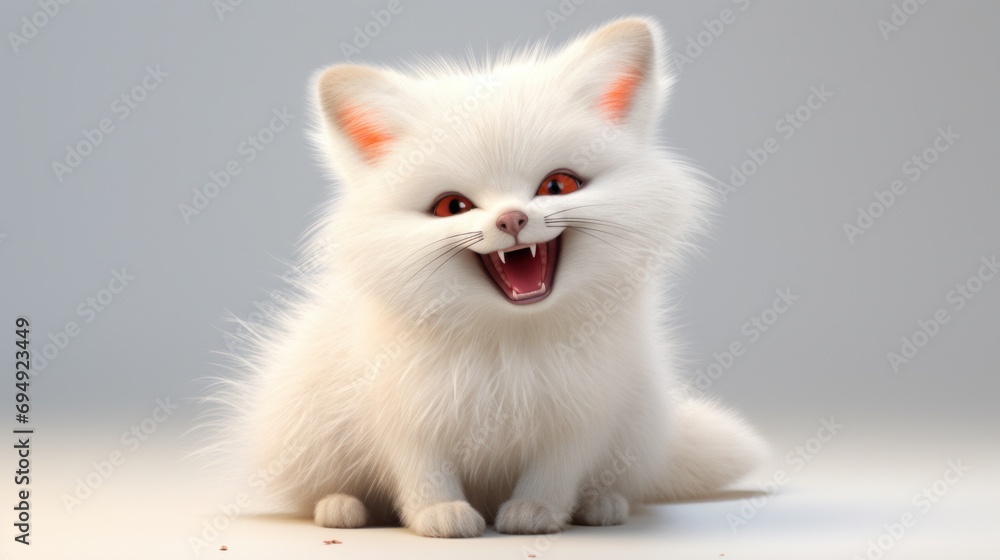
x=533, y=248
x=542, y=290
x=500, y=254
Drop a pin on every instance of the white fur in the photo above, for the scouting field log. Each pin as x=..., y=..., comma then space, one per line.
x=426, y=396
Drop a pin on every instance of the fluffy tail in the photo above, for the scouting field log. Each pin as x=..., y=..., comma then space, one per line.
x=710, y=447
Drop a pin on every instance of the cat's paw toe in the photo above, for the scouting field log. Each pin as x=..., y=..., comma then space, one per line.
x=449, y=520
x=340, y=511
x=529, y=517
x=610, y=508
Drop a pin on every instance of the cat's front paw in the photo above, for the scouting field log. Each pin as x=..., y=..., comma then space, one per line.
x=340, y=511
x=449, y=520
x=529, y=517
x=609, y=508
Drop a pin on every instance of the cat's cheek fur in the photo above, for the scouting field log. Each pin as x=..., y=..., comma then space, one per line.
x=387, y=395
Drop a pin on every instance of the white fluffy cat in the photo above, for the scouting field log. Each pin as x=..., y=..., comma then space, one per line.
x=485, y=339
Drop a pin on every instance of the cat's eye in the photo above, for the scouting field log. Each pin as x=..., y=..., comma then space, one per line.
x=560, y=182
x=451, y=205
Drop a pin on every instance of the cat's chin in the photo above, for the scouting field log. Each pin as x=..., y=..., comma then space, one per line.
x=524, y=273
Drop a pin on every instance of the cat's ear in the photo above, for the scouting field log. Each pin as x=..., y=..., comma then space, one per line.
x=361, y=108
x=619, y=71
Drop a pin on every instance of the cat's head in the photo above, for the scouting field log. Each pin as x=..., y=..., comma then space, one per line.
x=528, y=185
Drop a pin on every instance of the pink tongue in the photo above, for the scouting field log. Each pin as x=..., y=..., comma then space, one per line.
x=524, y=272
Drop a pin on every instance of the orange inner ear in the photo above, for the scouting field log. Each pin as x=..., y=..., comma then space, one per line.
x=370, y=139
x=617, y=99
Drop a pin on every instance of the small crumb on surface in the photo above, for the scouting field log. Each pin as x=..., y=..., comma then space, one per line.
x=223, y=547
x=334, y=541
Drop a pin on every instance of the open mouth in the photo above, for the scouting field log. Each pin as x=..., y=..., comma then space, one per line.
x=524, y=273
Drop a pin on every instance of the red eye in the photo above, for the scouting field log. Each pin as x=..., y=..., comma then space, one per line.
x=452, y=204
x=559, y=183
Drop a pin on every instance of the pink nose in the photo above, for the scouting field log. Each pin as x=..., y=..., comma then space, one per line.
x=512, y=222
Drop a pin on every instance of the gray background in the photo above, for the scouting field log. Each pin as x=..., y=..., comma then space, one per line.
x=782, y=229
